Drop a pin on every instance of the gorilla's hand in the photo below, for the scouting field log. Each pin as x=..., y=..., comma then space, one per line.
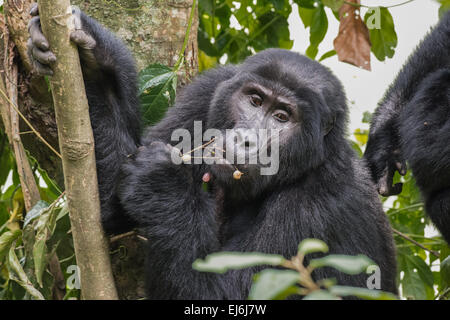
x=161, y=162
x=385, y=183
x=150, y=180
x=383, y=165
x=39, y=49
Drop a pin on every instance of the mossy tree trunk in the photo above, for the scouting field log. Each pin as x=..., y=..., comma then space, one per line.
x=154, y=30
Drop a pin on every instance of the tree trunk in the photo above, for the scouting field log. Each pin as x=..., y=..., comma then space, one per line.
x=154, y=30
x=76, y=142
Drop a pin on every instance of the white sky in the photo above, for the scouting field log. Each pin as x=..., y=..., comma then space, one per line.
x=412, y=21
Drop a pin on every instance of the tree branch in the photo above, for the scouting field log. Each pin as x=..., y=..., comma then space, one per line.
x=404, y=236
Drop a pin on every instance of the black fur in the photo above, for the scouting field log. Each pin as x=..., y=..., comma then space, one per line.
x=321, y=191
x=412, y=123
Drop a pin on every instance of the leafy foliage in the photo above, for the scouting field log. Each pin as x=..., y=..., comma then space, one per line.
x=384, y=40
x=229, y=31
x=236, y=29
x=296, y=278
x=28, y=240
x=222, y=262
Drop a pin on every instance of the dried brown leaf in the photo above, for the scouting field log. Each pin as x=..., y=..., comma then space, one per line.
x=353, y=42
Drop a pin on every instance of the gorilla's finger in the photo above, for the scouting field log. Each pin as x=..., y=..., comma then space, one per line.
x=30, y=48
x=44, y=57
x=83, y=40
x=396, y=189
x=401, y=167
x=42, y=69
x=34, y=10
x=383, y=185
x=38, y=38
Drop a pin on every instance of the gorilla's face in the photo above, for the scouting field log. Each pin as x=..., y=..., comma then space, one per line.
x=261, y=119
x=275, y=111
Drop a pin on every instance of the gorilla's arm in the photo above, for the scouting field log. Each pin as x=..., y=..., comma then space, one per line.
x=111, y=87
x=177, y=216
x=179, y=219
x=383, y=154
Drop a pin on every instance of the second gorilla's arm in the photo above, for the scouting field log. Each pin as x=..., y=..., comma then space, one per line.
x=383, y=153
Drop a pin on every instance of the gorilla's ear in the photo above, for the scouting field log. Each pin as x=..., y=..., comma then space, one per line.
x=329, y=125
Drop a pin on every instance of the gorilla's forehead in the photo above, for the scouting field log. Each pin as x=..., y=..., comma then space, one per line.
x=291, y=70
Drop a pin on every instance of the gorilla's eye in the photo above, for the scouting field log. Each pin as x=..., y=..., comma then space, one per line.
x=256, y=100
x=281, y=116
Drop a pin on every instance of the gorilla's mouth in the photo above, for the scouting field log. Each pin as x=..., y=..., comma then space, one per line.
x=241, y=155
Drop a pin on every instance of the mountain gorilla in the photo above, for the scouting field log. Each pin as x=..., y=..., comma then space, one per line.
x=321, y=190
x=412, y=123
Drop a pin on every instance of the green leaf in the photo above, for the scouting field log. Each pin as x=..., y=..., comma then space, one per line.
x=334, y=5
x=319, y=26
x=278, y=4
x=363, y=293
x=35, y=212
x=63, y=212
x=347, y=264
x=445, y=6
x=312, y=51
x=44, y=227
x=157, y=88
x=384, y=40
x=205, y=45
x=306, y=15
x=221, y=262
x=413, y=286
x=39, y=256
x=361, y=136
x=205, y=62
x=312, y=245
x=367, y=117
x=21, y=279
x=357, y=148
x=445, y=273
x=321, y=295
x=327, y=55
x=6, y=240
x=271, y=283
x=154, y=75
x=206, y=5
x=423, y=269
x=306, y=3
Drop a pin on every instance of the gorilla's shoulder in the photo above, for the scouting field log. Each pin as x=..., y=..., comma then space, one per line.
x=362, y=174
